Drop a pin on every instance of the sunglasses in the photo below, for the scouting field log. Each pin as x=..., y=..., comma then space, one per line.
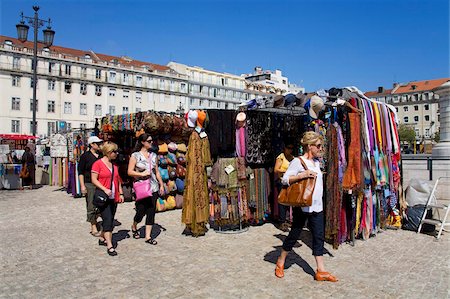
x=318, y=145
x=116, y=151
x=149, y=140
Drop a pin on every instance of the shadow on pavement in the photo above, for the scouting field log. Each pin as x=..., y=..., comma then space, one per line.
x=291, y=259
x=156, y=231
x=119, y=236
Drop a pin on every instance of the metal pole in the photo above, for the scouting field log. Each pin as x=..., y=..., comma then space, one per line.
x=35, y=28
x=431, y=169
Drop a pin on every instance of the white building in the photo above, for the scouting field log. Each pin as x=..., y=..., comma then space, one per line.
x=78, y=86
x=211, y=89
x=271, y=82
x=417, y=105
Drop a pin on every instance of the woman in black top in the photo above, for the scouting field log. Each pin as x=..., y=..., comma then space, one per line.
x=87, y=188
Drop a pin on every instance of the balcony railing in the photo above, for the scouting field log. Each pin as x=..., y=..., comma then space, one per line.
x=104, y=64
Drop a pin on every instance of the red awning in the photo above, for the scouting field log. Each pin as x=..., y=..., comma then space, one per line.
x=16, y=137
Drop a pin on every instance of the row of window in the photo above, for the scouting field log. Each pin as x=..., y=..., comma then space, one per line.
x=416, y=118
x=202, y=103
x=15, y=105
x=416, y=108
x=108, y=76
x=426, y=135
x=194, y=89
x=217, y=80
x=51, y=126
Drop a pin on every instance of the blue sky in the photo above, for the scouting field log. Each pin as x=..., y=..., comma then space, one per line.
x=316, y=43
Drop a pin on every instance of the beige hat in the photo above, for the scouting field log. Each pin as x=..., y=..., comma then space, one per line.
x=316, y=106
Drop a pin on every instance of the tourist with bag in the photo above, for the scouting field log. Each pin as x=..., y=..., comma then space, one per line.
x=105, y=177
x=143, y=167
x=87, y=159
x=296, y=173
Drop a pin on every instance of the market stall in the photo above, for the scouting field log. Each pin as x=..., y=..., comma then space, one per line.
x=362, y=158
x=12, y=147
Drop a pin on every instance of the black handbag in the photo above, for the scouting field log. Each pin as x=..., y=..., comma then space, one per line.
x=100, y=197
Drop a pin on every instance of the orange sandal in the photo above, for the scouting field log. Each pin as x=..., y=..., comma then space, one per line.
x=325, y=276
x=279, y=271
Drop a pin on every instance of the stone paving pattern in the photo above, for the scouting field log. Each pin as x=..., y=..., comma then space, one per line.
x=47, y=252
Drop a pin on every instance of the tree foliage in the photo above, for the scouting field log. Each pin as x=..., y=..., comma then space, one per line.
x=437, y=136
x=406, y=133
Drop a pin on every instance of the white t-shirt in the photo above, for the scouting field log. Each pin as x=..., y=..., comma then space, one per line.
x=295, y=167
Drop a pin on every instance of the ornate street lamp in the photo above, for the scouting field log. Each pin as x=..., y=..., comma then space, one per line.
x=22, y=35
x=180, y=109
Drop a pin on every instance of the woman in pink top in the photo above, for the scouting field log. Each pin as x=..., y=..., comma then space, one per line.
x=101, y=173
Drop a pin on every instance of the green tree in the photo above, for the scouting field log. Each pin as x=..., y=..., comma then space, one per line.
x=437, y=136
x=406, y=133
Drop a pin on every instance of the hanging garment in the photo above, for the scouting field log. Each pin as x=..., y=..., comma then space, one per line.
x=240, y=142
x=221, y=132
x=333, y=194
x=195, y=197
x=352, y=176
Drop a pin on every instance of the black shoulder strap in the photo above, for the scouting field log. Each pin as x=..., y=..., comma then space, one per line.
x=112, y=177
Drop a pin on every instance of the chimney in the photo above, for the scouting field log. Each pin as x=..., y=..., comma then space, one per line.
x=380, y=89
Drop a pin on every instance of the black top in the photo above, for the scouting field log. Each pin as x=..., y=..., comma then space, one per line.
x=85, y=165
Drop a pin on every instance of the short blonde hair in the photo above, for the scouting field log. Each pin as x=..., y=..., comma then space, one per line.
x=310, y=138
x=108, y=147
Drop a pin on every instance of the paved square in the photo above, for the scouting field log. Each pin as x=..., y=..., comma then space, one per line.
x=47, y=252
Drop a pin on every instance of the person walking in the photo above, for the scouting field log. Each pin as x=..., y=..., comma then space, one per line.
x=28, y=163
x=87, y=159
x=143, y=165
x=312, y=144
x=101, y=173
x=281, y=165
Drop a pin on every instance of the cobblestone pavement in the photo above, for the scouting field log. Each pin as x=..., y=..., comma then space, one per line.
x=47, y=252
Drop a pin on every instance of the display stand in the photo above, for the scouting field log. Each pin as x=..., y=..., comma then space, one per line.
x=234, y=231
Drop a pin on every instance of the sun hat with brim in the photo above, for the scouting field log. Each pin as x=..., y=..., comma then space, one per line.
x=201, y=116
x=181, y=147
x=172, y=146
x=163, y=148
x=192, y=118
x=278, y=101
x=94, y=139
x=289, y=100
x=316, y=105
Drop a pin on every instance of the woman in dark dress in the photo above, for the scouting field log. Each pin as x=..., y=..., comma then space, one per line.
x=28, y=162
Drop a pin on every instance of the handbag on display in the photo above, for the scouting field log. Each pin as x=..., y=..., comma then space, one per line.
x=298, y=194
x=143, y=188
x=100, y=197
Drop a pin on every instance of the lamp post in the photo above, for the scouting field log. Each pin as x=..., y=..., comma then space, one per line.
x=180, y=109
x=22, y=35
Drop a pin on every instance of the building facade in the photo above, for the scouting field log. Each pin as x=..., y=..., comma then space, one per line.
x=416, y=104
x=213, y=90
x=270, y=82
x=77, y=86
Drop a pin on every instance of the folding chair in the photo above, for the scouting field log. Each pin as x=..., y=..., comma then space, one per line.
x=432, y=203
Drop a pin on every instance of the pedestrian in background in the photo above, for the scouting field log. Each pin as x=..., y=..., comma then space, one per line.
x=102, y=171
x=281, y=165
x=87, y=159
x=143, y=165
x=312, y=145
x=28, y=164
